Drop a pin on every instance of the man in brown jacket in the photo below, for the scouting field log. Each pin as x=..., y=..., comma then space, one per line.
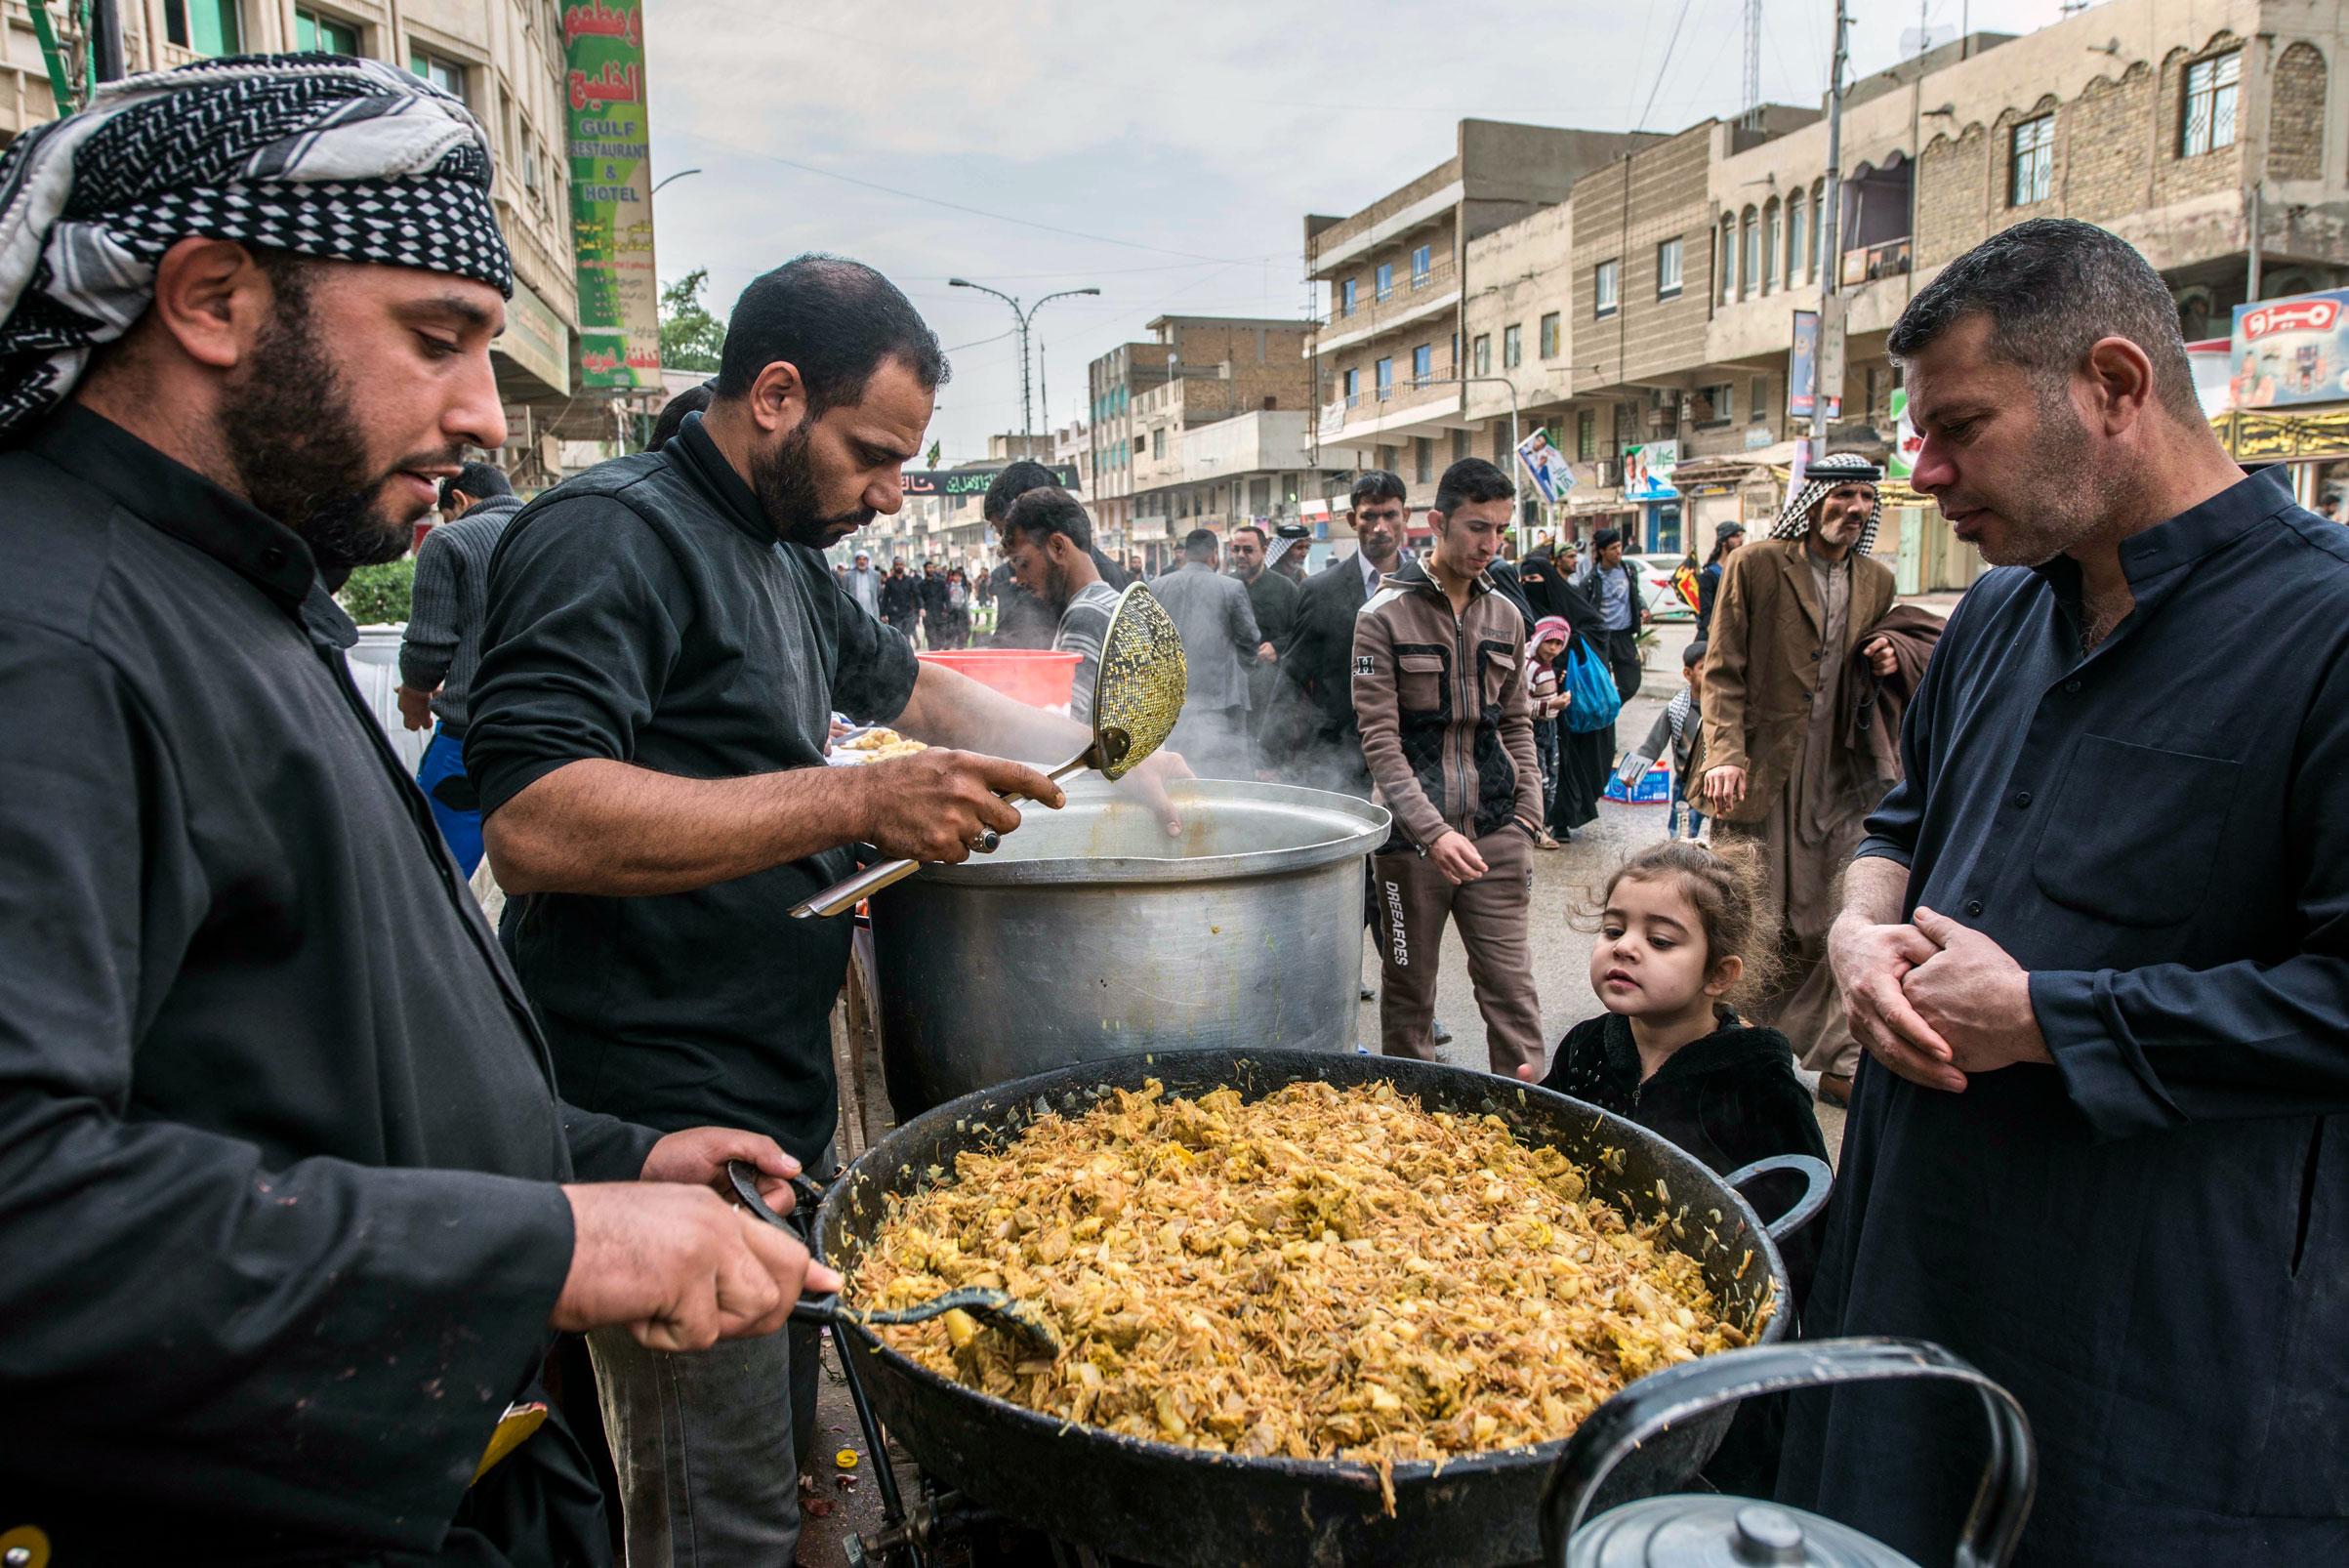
x=1780, y=772
x=1439, y=689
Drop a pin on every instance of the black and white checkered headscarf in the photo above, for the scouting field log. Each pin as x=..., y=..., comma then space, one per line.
x=318, y=154
x=1829, y=472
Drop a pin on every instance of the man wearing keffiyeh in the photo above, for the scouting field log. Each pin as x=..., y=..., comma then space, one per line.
x=1777, y=771
x=291, y=1205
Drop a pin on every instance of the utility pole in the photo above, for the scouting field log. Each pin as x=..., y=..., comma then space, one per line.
x=1027, y=407
x=1828, y=365
x=2250, y=282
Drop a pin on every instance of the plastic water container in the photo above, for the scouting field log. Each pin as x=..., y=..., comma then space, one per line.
x=375, y=670
x=1037, y=677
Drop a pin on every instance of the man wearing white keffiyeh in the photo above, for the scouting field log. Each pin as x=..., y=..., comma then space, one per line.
x=291, y=1205
x=1790, y=612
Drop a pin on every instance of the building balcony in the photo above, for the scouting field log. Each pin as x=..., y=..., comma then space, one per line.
x=1414, y=298
x=1890, y=258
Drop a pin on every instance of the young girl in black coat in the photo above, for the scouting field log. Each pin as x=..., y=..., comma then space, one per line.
x=1676, y=942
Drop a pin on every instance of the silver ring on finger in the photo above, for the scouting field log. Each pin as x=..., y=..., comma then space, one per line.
x=988, y=842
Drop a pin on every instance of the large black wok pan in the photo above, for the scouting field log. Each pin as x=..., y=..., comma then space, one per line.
x=1178, y=1507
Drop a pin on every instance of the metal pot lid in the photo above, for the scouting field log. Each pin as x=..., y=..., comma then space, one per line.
x=1690, y=1530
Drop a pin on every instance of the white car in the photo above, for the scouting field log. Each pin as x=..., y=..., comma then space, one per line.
x=1664, y=601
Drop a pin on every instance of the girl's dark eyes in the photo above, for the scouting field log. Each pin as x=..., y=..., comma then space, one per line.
x=1611, y=932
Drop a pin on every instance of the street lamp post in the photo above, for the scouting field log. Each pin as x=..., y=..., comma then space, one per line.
x=1027, y=412
x=667, y=179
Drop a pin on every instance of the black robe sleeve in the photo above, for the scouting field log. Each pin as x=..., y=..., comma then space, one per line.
x=320, y=1343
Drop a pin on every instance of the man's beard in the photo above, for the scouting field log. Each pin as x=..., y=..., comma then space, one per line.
x=2069, y=500
x=301, y=455
x=783, y=478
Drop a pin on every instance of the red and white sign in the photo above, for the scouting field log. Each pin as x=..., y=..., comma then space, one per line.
x=2313, y=314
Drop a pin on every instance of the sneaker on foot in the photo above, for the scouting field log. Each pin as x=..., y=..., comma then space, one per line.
x=1370, y=993
x=1443, y=1036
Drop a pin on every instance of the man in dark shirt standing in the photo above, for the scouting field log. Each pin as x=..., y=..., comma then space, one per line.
x=666, y=646
x=1273, y=598
x=443, y=645
x=901, y=600
x=290, y=1206
x=2096, y=945
x=1309, y=735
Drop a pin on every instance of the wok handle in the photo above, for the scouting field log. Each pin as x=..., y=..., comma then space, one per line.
x=1689, y=1390
x=807, y=1196
x=1815, y=1171
x=843, y=896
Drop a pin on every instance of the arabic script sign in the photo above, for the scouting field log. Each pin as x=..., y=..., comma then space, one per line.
x=611, y=193
x=972, y=481
x=2287, y=351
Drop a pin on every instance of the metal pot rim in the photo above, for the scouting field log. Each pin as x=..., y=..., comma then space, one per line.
x=1370, y=823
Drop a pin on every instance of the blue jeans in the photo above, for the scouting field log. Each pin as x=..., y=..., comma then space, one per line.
x=441, y=777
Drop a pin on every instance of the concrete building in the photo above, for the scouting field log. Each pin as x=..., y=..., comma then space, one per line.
x=1645, y=316
x=504, y=58
x=1156, y=476
x=1387, y=357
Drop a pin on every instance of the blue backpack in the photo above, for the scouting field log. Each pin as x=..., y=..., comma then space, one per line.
x=1589, y=682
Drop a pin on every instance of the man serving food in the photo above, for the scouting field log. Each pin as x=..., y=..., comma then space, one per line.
x=665, y=648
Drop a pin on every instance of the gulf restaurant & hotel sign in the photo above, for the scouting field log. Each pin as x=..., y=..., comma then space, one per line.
x=611, y=193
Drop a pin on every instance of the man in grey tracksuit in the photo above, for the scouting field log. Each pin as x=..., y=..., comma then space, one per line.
x=1439, y=691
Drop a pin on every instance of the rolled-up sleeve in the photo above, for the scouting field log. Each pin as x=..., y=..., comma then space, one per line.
x=328, y=1343
x=873, y=676
x=586, y=615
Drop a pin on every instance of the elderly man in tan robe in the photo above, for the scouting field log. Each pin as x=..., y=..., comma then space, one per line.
x=1779, y=774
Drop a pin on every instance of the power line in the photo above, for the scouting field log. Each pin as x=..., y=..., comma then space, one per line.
x=952, y=206
x=1663, y=65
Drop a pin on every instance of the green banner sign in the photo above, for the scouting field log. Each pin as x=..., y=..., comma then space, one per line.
x=611, y=193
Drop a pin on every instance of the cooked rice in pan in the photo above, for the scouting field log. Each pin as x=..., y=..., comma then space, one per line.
x=1321, y=1274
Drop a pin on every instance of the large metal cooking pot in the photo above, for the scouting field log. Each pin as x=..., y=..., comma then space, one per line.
x=1182, y=1507
x=1092, y=935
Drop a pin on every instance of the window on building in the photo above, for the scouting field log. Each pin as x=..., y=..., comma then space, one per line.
x=1386, y=459
x=445, y=74
x=1386, y=280
x=1551, y=336
x=529, y=144
x=1585, y=435
x=1480, y=353
x=1748, y=255
x=207, y=26
x=1606, y=288
x=1758, y=406
x=1728, y=260
x=1798, y=213
x=1353, y=389
x=2211, y=86
x=1459, y=446
x=1716, y=405
x=1512, y=347
x=1819, y=217
x=2031, y=165
x=1422, y=365
x=318, y=35
x=1769, y=247
x=1345, y=298
x=1667, y=269
x=1421, y=265
x=1158, y=442
x=1383, y=374
x=1423, y=460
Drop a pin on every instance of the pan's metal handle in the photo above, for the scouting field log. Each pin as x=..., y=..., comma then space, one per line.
x=1815, y=1171
x=807, y=1196
x=843, y=896
x=1682, y=1392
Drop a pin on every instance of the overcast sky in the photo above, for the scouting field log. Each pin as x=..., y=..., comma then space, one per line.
x=1165, y=154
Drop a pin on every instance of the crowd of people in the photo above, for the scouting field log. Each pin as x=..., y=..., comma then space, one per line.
x=311, y=1181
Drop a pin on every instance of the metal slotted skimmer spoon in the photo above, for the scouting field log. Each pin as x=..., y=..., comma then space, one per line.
x=1136, y=698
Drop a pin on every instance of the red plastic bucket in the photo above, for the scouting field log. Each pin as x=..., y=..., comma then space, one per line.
x=1037, y=677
